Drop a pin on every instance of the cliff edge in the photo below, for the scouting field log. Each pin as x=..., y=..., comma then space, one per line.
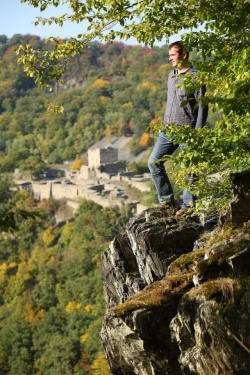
x=177, y=295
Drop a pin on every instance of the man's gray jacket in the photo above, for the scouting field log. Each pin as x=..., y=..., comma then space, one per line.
x=192, y=113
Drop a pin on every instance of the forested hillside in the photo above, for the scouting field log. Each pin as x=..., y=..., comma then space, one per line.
x=51, y=293
x=119, y=90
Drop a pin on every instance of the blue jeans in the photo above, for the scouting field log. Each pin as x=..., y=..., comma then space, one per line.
x=162, y=147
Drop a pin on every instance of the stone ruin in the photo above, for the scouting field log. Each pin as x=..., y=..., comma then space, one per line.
x=98, y=181
x=102, y=161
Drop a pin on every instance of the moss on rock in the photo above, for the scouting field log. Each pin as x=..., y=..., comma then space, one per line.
x=213, y=271
x=157, y=293
x=186, y=262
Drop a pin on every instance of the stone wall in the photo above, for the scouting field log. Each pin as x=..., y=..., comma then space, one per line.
x=55, y=189
x=103, y=171
x=98, y=156
x=140, y=185
x=41, y=190
x=59, y=190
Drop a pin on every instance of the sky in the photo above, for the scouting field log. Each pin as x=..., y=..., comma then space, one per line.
x=17, y=18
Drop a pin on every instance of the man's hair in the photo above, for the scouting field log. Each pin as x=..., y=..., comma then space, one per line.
x=180, y=48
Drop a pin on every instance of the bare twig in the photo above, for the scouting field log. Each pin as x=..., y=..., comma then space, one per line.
x=230, y=333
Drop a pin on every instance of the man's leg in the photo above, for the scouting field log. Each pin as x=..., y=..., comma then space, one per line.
x=187, y=196
x=162, y=147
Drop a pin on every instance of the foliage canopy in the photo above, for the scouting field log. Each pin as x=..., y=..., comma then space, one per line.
x=51, y=294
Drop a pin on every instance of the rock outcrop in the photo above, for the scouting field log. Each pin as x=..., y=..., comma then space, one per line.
x=141, y=256
x=178, y=296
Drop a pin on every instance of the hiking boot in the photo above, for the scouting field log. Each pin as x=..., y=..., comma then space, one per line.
x=170, y=203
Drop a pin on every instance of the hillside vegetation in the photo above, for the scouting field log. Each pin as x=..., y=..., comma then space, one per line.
x=118, y=90
x=51, y=293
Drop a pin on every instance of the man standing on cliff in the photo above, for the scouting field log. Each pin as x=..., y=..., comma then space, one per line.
x=192, y=114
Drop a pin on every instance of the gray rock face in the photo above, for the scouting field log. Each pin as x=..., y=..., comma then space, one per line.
x=204, y=339
x=157, y=238
x=175, y=311
x=132, y=343
x=141, y=256
x=121, y=275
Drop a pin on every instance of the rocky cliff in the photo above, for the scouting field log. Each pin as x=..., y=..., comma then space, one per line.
x=178, y=295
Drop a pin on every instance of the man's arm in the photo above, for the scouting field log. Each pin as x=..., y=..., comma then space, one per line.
x=202, y=110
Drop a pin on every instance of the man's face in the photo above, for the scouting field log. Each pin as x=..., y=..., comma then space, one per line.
x=175, y=57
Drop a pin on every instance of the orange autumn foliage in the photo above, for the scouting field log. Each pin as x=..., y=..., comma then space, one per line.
x=101, y=83
x=76, y=166
x=34, y=317
x=154, y=121
x=144, y=139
